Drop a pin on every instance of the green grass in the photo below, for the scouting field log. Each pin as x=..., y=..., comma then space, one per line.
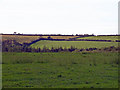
x=77, y=44
x=113, y=38
x=60, y=70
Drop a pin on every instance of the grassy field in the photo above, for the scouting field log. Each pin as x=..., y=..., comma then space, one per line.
x=77, y=44
x=58, y=70
x=113, y=38
x=63, y=69
x=27, y=39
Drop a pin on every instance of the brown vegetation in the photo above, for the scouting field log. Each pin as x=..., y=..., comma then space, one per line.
x=19, y=38
x=27, y=39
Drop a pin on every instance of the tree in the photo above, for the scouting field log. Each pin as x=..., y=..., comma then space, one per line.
x=44, y=49
x=15, y=33
x=49, y=37
x=71, y=49
x=60, y=49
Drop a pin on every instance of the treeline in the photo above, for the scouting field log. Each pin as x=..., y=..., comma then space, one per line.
x=15, y=33
x=13, y=46
x=49, y=34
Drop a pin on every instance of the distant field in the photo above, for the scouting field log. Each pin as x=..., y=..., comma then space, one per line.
x=113, y=38
x=60, y=37
x=27, y=39
x=60, y=70
x=77, y=44
x=19, y=38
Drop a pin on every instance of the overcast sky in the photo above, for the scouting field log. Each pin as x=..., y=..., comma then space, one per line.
x=59, y=16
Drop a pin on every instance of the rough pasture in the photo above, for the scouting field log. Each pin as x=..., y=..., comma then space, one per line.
x=60, y=70
x=19, y=38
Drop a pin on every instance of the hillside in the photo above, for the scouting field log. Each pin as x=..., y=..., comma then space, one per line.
x=113, y=38
x=27, y=39
x=76, y=44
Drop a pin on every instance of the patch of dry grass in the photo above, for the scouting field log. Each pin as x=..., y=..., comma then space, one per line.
x=27, y=39
x=19, y=38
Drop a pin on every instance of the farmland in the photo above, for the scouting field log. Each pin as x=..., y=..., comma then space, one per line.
x=19, y=38
x=76, y=44
x=113, y=38
x=60, y=70
x=27, y=39
x=25, y=67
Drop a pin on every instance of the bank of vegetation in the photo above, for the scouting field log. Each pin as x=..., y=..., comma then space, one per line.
x=14, y=46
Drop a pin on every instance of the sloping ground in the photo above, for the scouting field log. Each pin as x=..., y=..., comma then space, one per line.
x=113, y=38
x=19, y=38
x=76, y=44
x=27, y=39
